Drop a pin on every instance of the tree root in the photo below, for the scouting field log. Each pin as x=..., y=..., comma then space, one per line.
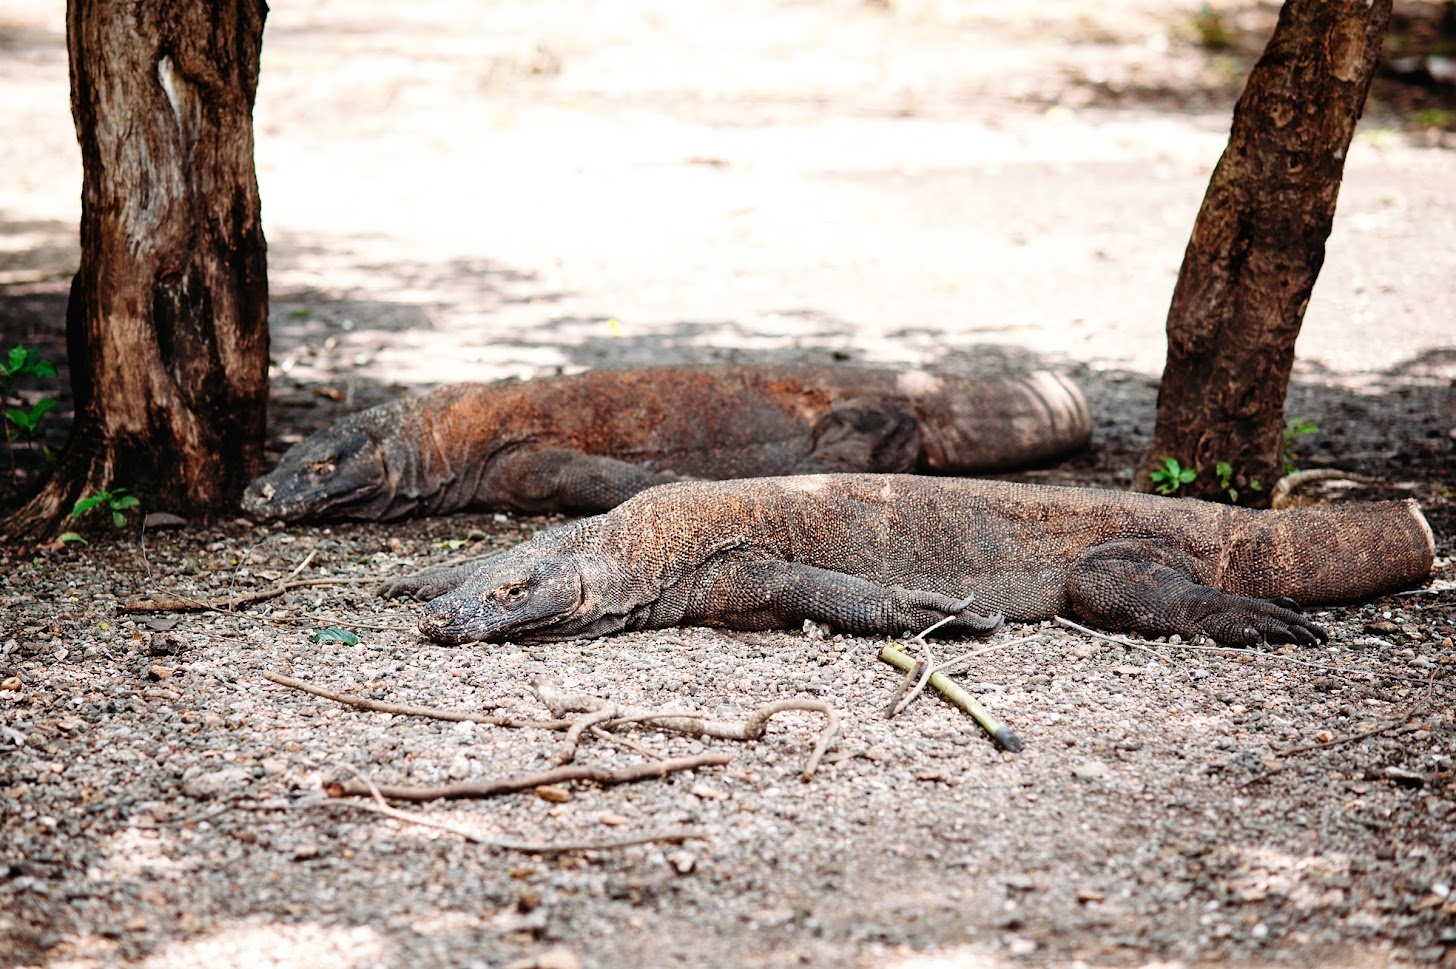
x=1282, y=495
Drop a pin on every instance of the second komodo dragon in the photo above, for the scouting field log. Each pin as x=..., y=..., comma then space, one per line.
x=876, y=555
x=586, y=443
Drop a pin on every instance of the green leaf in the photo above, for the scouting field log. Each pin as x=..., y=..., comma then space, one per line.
x=27, y=420
x=122, y=504
x=118, y=519
x=24, y=360
x=334, y=634
x=86, y=504
x=66, y=538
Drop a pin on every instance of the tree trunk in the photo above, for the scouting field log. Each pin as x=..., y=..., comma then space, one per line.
x=1258, y=245
x=167, y=326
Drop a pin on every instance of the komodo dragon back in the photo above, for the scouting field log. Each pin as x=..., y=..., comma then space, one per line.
x=587, y=442
x=879, y=554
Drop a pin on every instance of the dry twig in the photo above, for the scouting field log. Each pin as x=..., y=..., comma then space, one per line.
x=605, y=715
x=168, y=602
x=1002, y=734
x=378, y=806
x=506, y=785
x=380, y=706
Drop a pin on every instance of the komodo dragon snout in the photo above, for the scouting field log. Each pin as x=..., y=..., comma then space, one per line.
x=547, y=600
x=338, y=468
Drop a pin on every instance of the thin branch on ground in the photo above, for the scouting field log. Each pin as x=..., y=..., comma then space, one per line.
x=1420, y=710
x=1282, y=494
x=505, y=785
x=945, y=667
x=911, y=678
x=540, y=848
x=1004, y=736
x=606, y=715
x=379, y=806
x=1244, y=651
x=302, y=565
x=631, y=745
x=381, y=706
x=170, y=602
x=602, y=715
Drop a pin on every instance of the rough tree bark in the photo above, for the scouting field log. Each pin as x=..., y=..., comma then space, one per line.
x=166, y=328
x=1258, y=244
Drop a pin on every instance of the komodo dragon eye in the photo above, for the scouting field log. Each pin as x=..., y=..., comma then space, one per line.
x=322, y=468
x=514, y=592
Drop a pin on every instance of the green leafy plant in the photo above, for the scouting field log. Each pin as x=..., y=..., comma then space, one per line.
x=24, y=362
x=1171, y=476
x=116, y=499
x=1225, y=472
x=1293, y=431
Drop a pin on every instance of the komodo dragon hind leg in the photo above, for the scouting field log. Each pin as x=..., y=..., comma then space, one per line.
x=865, y=434
x=1147, y=588
x=776, y=595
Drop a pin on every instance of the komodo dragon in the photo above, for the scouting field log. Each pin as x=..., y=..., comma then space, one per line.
x=586, y=443
x=880, y=554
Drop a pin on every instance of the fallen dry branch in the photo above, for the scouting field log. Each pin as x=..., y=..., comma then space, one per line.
x=378, y=806
x=921, y=675
x=380, y=706
x=167, y=602
x=1421, y=710
x=1282, y=494
x=604, y=714
x=506, y=785
x=1004, y=736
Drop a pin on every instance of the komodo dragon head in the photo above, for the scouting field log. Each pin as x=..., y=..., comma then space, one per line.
x=528, y=594
x=343, y=471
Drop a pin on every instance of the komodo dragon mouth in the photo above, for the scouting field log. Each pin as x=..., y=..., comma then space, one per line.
x=330, y=472
x=551, y=602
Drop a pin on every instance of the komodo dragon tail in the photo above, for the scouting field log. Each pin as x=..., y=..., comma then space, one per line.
x=1004, y=424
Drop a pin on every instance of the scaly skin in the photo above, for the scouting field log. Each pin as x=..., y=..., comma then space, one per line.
x=588, y=442
x=880, y=554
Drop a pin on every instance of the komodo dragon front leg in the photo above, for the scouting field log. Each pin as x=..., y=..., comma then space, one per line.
x=1149, y=588
x=433, y=582
x=557, y=479
x=777, y=595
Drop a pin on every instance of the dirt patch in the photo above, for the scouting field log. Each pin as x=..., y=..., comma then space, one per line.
x=534, y=188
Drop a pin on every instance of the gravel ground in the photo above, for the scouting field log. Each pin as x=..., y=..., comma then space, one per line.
x=671, y=187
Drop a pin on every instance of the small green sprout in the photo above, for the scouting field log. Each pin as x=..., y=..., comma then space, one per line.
x=115, y=499
x=1171, y=476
